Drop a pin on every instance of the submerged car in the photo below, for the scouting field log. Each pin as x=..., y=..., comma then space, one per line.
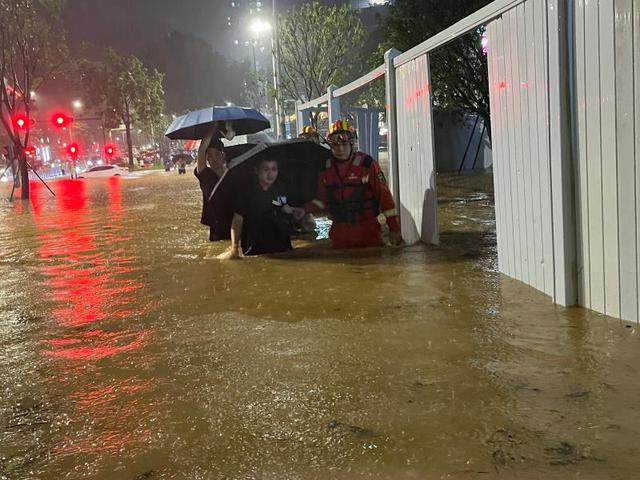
x=105, y=171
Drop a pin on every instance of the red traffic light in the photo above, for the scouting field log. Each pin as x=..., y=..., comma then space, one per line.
x=61, y=120
x=20, y=121
x=110, y=150
x=73, y=149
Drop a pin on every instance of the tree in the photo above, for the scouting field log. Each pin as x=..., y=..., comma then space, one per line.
x=195, y=75
x=257, y=87
x=123, y=91
x=459, y=69
x=318, y=47
x=154, y=129
x=32, y=51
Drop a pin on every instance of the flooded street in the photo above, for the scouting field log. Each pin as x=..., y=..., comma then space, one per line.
x=127, y=351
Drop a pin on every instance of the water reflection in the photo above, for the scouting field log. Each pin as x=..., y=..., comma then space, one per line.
x=88, y=279
x=95, y=289
x=415, y=362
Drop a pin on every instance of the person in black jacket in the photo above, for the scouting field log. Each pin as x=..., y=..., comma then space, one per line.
x=262, y=218
x=209, y=169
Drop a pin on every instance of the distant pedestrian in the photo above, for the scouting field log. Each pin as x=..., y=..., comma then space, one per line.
x=182, y=166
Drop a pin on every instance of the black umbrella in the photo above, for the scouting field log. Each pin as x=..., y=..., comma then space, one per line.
x=299, y=165
x=197, y=125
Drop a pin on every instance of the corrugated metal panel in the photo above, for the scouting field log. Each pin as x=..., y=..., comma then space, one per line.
x=561, y=168
x=608, y=112
x=610, y=159
x=544, y=147
x=515, y=159
x=520, y=131
x=498, y=144
x=591, y=158
x=636, y=104
x=416, y=164
x=627, y=192
x=581, y=148
x=536, y=264
x=636, y=94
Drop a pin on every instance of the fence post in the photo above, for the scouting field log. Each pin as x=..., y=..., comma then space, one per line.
x=303, y=117
x=334, y=105
x=392, y=122
x=562, y=178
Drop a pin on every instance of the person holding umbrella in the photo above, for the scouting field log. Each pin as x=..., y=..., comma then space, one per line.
x=209, y=124
x=354, y=191
x=210, y=167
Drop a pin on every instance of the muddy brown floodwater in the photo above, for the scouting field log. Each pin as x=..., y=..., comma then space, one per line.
x=127, y=351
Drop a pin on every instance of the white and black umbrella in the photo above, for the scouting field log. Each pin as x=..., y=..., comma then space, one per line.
x=197, y=125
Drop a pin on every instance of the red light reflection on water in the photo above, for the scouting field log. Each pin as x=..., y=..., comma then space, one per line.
x=92, y=281
x=108, y=443
x=89, y=280
x=108, y=394
x=96, y=344
x=36, y=195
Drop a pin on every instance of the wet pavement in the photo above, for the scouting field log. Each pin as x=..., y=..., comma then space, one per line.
x=127, y=351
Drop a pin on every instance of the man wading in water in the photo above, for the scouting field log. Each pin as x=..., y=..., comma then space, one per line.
x=261, y=216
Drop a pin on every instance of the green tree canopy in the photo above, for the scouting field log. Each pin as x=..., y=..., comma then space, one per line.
x=123, y=91
x=32, y=51
x=318, y=46
x=195, y=76
x=459, y=69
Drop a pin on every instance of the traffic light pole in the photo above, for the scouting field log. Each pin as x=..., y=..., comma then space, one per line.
x=12, y=160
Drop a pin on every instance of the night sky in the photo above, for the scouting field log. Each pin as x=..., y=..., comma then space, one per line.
x=130, y=25
x=171, y=36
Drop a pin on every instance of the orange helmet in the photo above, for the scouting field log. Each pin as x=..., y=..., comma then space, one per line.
x=310, y=133
x=341, y=131
x=308, y=130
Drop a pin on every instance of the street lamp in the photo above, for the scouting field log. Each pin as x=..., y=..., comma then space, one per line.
x=77, y=104
x=258, y=27
x=275, y=49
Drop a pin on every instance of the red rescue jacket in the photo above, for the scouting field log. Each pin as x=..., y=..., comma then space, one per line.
x=354, y=191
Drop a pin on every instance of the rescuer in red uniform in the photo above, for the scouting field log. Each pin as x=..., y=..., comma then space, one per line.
x=354, y=191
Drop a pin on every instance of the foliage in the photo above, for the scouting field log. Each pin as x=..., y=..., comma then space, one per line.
x=318, y=46
x=195, y=75
x=459, y=69
x=123, y=91
x=154, y=129
x=32, y=51
x=258, y=89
